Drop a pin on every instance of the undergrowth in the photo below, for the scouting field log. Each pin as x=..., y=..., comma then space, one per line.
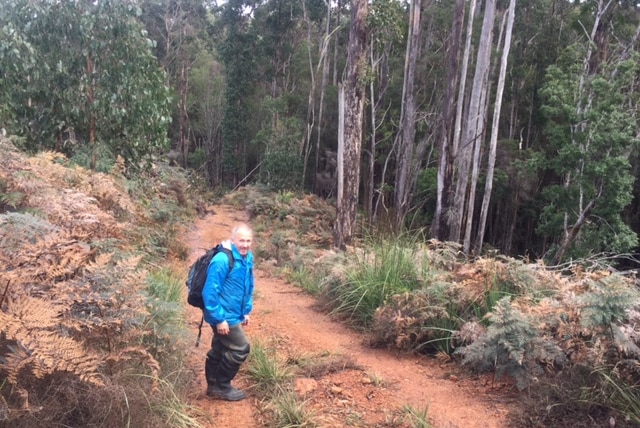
x=521, y=321
x=90, y=327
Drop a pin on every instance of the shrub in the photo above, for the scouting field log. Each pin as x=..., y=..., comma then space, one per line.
x=512, y=346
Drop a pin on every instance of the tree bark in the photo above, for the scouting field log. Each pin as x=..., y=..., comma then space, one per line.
x=354, y=96
x=439, y=229
x=406, y=147
x=473, y=128
x=494, y=128
x=324, y=58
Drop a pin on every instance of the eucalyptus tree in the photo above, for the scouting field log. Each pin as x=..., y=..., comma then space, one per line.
x=473, y=130
x=96, y=83
x=439, y=227
x=179, y=30
x=237, y=50
x=590, y=100
x=386, y=20
x=509, y=17
x=352, y=114
x=408, y=159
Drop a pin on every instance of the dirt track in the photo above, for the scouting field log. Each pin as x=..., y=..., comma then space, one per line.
x=284, y=315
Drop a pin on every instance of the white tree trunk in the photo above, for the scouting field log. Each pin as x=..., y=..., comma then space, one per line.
x=354, y=97
x=474, y=126
x=494, y=128
x=406, y=146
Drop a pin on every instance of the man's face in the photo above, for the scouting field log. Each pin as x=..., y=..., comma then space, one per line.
x=243, y=240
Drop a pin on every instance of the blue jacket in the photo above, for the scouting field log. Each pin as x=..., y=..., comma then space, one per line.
x=228, y=296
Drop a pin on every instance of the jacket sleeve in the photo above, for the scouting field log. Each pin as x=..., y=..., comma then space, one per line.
x=216, y=276
x=248, y=307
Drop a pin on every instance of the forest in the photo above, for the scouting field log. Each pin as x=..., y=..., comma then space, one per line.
x=501, y=125
x=476, y=160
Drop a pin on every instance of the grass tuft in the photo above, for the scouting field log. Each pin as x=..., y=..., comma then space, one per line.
x=266, y=370
x=419, y=417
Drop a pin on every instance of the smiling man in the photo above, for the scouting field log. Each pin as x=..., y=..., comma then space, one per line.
x=228, y=300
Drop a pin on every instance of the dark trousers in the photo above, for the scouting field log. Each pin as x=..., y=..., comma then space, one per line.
x=225, y=357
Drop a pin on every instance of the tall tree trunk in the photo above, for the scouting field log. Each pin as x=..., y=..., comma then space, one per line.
x=324, y=58
x=406, y=147
x=494, y=128
x=354, y=96
x=92, y=117
x=372, y=145
x=182, y=113
x=305, y=144
x=336, y=45
x=473, y=128
x=480, y=121
x=439, y=229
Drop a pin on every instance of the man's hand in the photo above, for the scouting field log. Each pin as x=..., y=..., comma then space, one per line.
x=222, y=328
x=245, y=322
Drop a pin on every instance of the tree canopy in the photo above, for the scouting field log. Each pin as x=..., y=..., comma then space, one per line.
x=497, y=129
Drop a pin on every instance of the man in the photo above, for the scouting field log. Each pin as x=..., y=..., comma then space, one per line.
x=228, y=300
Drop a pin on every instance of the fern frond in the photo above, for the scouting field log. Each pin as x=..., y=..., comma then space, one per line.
x=34, y=343
x=606, y=301
x=512, y=346
x=12, y=199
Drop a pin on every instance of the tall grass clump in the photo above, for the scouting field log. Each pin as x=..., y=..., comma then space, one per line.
x=171, y=406
x=266, y=370
x=304, y=278
x=419, y=418
x=620, y=394
x=164, y=303
x=272, y=379
x=382, y=269
x=290, y=412
x=166, y=285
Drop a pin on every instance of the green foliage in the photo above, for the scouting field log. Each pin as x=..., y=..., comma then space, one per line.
x=290, y=412
x=606, y=302
x=281, y=167
x=382, y=270
x=265, y=369
x=512, y=346
x=101, y=84
x=591, y=131
x=419, y=417
x=100, y=153
x=166, y=285
x=10, y=200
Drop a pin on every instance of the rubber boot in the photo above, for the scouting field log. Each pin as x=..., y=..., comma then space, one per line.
x=214, y=357
x=222, y=387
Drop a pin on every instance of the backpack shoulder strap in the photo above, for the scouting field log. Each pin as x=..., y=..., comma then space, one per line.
x=229, y=254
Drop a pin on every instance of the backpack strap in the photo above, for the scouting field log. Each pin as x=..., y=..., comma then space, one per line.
x=200, y=330
x=229, y=254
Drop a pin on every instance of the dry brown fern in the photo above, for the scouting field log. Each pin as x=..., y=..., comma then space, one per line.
x=136, y=354
x=55, y=257
x=33, y=342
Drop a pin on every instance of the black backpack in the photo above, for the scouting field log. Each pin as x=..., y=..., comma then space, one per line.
x=198, y=276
